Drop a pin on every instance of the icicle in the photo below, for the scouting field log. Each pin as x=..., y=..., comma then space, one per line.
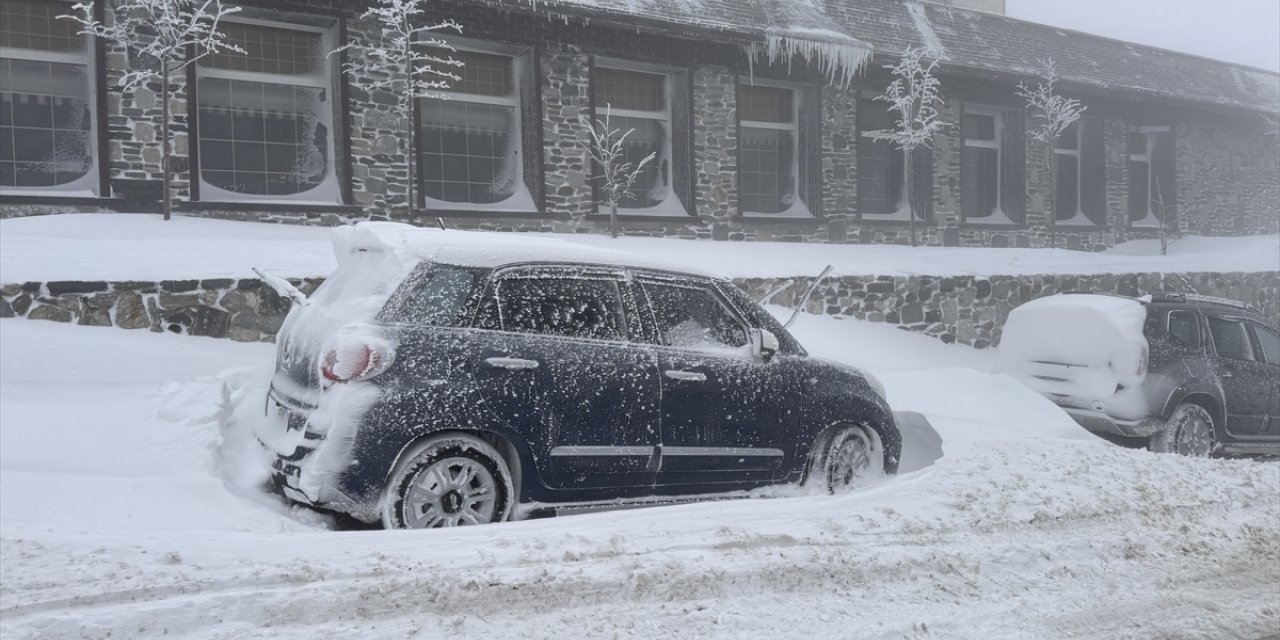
x=839, y=61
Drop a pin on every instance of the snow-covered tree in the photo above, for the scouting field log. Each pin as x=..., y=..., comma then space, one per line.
x=1052, y=114
x=913, y=98
x=406, y=58
x=168, y=36
x=615, y=174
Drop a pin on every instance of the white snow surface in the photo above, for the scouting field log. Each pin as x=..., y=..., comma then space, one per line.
x=130, y=508
x=137, y=247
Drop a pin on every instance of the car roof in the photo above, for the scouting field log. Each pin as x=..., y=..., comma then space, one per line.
x=489, y=249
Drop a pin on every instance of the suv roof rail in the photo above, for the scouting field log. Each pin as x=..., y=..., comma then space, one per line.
x=1168, y=296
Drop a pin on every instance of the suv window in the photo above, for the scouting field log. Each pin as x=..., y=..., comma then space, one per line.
x=692, y=317
x=1185, y=328
x=1230, y=338
x=433, y=295
x=571, y=307
x=1270, y=343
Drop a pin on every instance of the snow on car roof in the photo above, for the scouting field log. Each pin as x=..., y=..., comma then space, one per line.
x=486, y=249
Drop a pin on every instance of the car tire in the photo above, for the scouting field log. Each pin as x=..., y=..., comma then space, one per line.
x=445, y=482
x=850, y=457
x=1189, y=432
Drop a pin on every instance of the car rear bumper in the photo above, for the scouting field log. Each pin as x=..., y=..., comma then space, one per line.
x=1099, y=422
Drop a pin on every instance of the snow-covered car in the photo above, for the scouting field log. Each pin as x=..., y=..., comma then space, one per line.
x=440, y=378
x=1173, y=372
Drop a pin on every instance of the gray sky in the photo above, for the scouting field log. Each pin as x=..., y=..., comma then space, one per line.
x=1244, y=31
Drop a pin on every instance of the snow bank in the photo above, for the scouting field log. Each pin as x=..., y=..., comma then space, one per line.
x=142, y=247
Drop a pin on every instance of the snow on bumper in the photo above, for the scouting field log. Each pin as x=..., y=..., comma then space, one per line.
x=313, y=446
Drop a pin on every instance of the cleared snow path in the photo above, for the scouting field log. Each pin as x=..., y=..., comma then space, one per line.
x=121, y=515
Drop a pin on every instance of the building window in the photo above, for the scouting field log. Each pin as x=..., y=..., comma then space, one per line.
x=1066, y=185
x=768, y=143
x=637, y=101
x=980, y=168
x=46, y=115
x=469, y=140
x=1151, y=176
x=265, y=117
x=882, y=190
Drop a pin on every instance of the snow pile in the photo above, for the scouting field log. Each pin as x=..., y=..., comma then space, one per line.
x=113, y=246
x=1087, y=347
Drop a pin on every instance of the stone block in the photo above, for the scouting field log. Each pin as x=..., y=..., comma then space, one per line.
x=208, y=321
x=179, y=286
x=131, y=312
x=75, y=286
x=50, y=312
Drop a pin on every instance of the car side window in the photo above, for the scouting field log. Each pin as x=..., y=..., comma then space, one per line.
x=433, y=295
x=570, y=307
x=1230, y=338
x=692, y=317
x=1269, y=341
x=1185, y=328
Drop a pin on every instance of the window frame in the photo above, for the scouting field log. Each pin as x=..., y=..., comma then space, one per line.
x=1078, y=217
x=903, y=211
x=521, y=199
x=1244, y=327
x=672, y=205
x=999, y=216
x=330, y=190
x=799, y=208
x=93, y=183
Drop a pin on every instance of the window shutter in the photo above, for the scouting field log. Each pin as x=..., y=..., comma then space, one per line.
x=1013, y=164
x=1162, y=171
x=921, y=189
x=1093, y=170
x=809, y=182
x=531, y=126
x=682, y=177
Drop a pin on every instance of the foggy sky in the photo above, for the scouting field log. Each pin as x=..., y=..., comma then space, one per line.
x=1243, y=31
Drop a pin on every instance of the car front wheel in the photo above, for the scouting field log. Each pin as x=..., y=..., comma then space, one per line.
x=448, y=482
x=851, y=457
x=1189, y=432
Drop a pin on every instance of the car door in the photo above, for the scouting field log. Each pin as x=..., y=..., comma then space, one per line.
x=561, y=369
x=718, y=423
x=1268, y=342
x=1244, y=379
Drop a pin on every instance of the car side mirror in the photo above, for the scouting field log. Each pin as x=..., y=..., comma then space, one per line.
x=764, y=344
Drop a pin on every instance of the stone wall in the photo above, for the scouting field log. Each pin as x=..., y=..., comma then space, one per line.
x=957, y=309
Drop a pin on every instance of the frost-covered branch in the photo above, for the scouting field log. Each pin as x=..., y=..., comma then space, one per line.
x=406, y=58
x=174, y=34
x=615, y=175
x=914, y=99
x=1052, y=115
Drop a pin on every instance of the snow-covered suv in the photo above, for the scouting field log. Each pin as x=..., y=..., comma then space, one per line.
x=1175, y=372
x=442, y=378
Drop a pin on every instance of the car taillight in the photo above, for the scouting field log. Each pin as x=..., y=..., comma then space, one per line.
x=354, y=361
x=1142, y=361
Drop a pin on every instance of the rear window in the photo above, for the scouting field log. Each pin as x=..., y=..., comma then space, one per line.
x=436, y=295
x=1185, y=328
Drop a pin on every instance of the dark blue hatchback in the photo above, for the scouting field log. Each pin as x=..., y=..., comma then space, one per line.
x=443, y=378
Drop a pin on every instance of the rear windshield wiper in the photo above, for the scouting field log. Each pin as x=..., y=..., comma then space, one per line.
x=282, y=287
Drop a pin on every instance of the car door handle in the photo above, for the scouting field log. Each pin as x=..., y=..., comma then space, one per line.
x=511, y=364
x=687, y=376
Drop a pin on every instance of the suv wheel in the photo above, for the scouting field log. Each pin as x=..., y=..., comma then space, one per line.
x=448, y=482
x=1189, y=432
x=849, y=458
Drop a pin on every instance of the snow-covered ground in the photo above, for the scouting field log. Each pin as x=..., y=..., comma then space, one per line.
x=130, y=508
x=126, y=511
x=140, y=247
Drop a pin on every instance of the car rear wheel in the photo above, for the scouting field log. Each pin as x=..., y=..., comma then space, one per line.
x=851, y=457
x=448, y=482
x=1189, y=432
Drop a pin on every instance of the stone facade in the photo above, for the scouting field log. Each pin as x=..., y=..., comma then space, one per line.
x=955, y=309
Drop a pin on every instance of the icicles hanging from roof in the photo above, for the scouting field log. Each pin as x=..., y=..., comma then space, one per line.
x=839, y=57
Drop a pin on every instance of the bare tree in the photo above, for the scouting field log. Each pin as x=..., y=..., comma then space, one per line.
x=616, y=175
x=1052, y=115
x=1157, y=207
x=913, y=97
x=170, y=35
x=408, y=59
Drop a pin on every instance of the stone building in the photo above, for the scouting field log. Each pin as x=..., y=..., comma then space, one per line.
x=757, y=112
